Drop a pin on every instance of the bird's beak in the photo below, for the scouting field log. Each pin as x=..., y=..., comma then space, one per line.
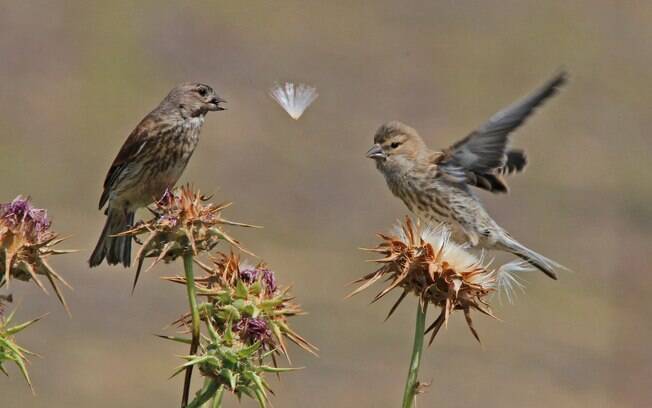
x=376, y=152
x=215, y=102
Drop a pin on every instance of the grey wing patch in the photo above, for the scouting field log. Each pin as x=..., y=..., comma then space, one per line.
x=453, y=173
x=481, y=151
x=484, y=149
x=116, y=173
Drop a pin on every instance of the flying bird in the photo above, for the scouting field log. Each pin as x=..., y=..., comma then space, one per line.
x=150, y=161
x=436, y=185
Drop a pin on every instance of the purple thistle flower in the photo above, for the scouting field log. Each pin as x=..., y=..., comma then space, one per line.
x=167, y=198
x=169, y=219
x=269, y=280
x=20, y=210
x=253, y=330
x=18, y=206
x=15, y=211
x=40, y=219
x=248, y=275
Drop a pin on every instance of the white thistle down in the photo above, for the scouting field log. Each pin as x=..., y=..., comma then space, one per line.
x=439, y=236
x=295, y=99
x=508, y=280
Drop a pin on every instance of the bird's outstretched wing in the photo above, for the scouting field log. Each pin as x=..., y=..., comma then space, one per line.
x=482, y=157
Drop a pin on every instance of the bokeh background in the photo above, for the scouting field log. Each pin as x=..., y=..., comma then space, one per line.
x=77, y=76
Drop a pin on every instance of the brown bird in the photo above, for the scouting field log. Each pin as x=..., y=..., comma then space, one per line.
x=435, y=185
x=150, y=161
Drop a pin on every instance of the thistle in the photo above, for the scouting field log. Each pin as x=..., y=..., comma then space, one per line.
x=183, y=223
x=246, y=316
x=294, y=99
x=439, y=272
x=26, y=241
x=9, y=350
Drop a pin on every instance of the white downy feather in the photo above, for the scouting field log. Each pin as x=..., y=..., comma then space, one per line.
x=295, y=99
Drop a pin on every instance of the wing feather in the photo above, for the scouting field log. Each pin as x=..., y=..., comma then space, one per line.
x=134, y=145
x=480, y=157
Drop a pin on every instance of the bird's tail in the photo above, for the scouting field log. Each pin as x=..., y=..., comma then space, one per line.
x=545, y=265
x=116, y=250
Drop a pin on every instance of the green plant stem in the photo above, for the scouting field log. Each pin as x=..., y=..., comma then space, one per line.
x=217, y=399
x=415, y=359
x=194, y=312
x=210, y=396
x=203, y=398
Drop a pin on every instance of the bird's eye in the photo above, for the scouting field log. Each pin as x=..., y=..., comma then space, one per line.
x=394, y=145
x=202, y=91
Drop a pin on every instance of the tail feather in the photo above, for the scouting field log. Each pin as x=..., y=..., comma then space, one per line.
x=545, y=265
x=115, y=250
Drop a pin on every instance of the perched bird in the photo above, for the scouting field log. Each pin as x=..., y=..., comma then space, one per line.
x=435, y=185
x=150, y=161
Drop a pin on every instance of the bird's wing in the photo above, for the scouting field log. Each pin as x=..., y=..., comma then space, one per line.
x=482, y=156
x=139, y=138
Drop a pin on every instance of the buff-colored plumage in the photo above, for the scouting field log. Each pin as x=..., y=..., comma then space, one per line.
x=436, y=185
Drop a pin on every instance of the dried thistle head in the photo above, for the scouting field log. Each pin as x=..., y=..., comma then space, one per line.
x=183, y=222
x=246, y=315
x=425, y=262
x=26, y=241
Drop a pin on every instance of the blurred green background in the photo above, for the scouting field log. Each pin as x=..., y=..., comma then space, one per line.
x=77, y=76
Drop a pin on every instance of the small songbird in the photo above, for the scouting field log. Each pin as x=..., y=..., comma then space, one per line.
x=435, y=185
x=150, y=161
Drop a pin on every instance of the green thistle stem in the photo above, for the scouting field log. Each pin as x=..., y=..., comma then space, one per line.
x=210, y=396
x=192, y=301
x=210, y=388
x=415, y=360
x=217, y=399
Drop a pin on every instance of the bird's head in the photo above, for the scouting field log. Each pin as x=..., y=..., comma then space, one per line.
x=194, y=99
x=396, y=146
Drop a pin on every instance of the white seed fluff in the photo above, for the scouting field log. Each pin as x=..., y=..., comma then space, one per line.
x=295, y=99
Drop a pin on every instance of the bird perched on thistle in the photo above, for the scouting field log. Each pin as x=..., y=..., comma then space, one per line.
x=436, y=185
x=150, y=161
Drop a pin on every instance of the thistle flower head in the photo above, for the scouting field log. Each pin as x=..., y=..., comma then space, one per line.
x=425, y=262
x=247, y=319
x=248, y=274
x=183, y=222
x=253, y=329
x=269, y=280
x=20, y=213
x=26, y=241
x=295, y=99
x=248, y=298
x=251, y=274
